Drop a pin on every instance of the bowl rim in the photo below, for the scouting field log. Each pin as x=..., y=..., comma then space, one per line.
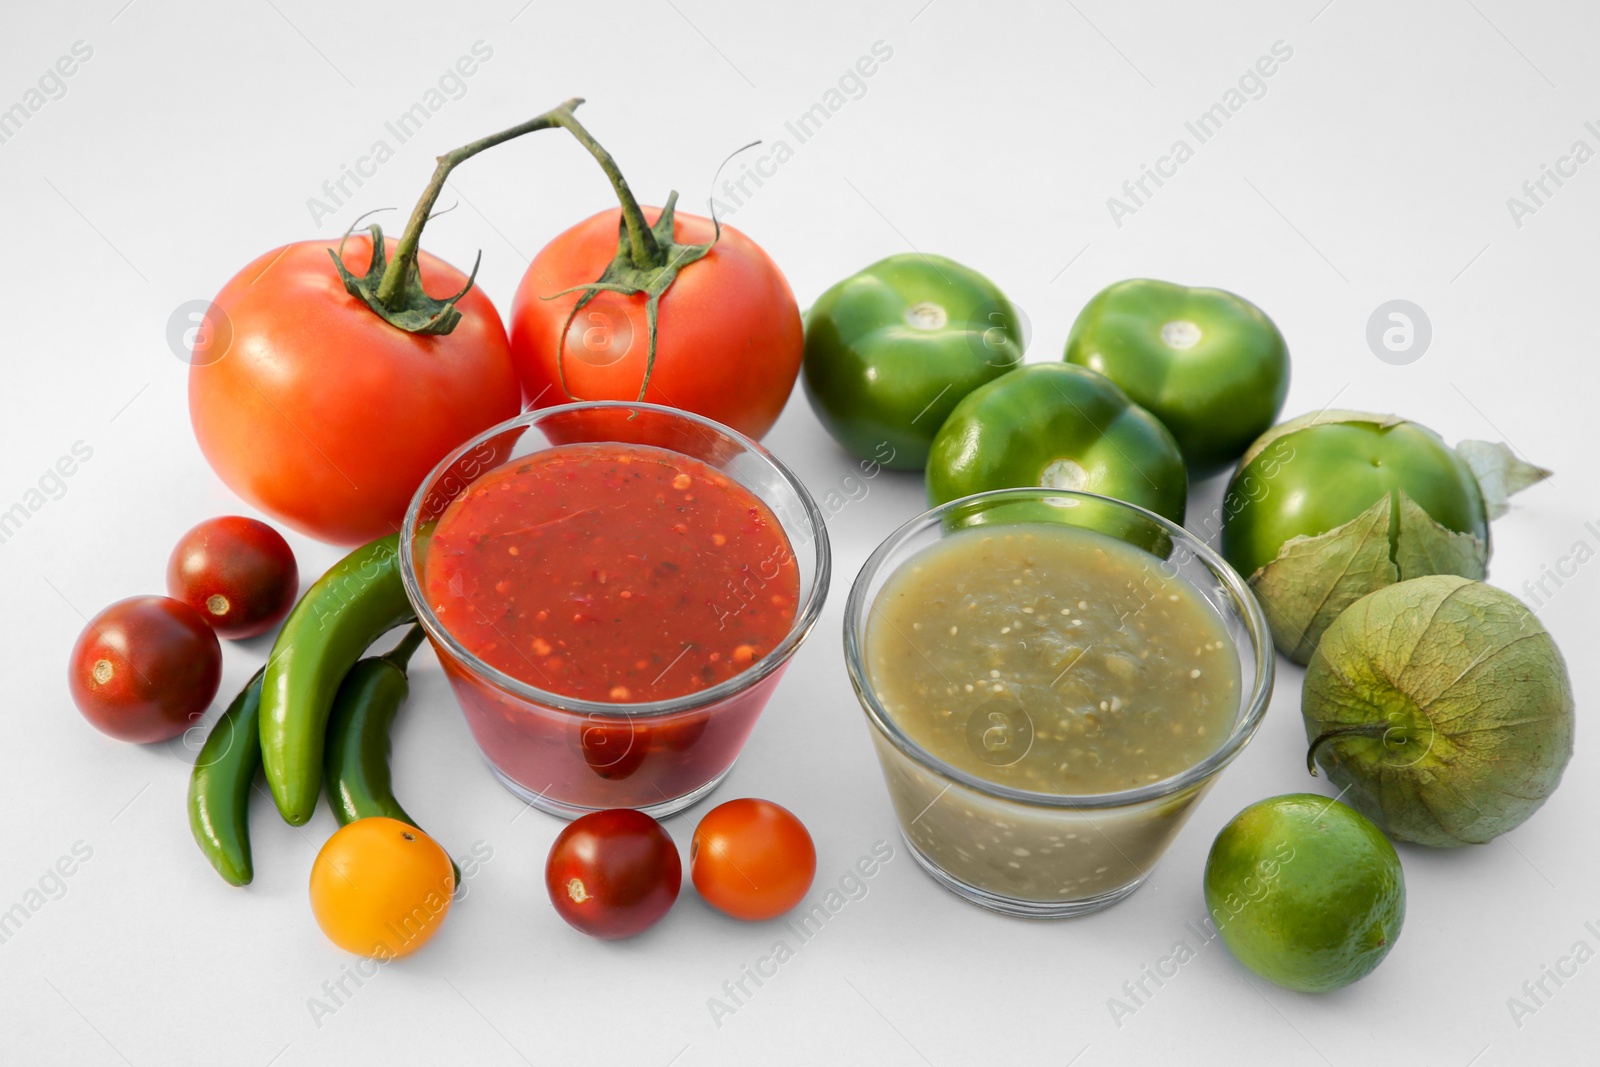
x=805, y=617
x=1248, y=606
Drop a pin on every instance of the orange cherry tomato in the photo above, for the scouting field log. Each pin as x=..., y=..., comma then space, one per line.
x=752, y=859
x=729, y=337
x=381, y=888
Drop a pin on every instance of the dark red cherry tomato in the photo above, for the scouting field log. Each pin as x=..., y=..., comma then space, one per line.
x=238, y=573
x=145, y=669
x=613, y=874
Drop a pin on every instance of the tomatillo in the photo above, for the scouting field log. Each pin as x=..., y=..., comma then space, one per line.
x=890, y=351
x=1060, y=427
x=1329, y=507
x=1208, y=364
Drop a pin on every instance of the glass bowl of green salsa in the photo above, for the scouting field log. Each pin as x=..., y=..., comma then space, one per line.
x=614, y=590
x=1053, y=679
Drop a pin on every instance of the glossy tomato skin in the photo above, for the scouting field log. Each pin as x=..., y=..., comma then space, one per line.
x=613, y=749
x=238, y=573
x=729, y=337
x=145, y=669
x=752, y=859
x=613, y=874
x=1208, y=363
x=893, y=348
x=323, y=415
x=1323, y=475
x=381, y=888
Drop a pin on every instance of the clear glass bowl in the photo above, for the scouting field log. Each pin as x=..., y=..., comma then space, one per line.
x=568, y=756
x=1113, y=839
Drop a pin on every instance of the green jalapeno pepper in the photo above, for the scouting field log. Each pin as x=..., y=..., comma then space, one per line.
x=356, y=602
x=358, y=747
x=1210, y=365
x=891, y=350
x=219, y=786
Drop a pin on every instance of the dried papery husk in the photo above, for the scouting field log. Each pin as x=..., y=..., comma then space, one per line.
x=1315, y=578
x=1442, y=709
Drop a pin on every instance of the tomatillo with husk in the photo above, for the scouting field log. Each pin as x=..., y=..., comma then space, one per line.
x=1056, y=426
x=1441, y=708
x=1329, y=507
x=1209, y=364
x=891, y=350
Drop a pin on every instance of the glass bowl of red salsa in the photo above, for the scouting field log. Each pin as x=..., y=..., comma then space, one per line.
x=614, y=590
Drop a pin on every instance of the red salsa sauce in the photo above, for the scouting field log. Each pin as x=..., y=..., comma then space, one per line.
x=612, y=572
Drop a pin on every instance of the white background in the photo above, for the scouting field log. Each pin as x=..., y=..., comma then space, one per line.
x=1377, y=166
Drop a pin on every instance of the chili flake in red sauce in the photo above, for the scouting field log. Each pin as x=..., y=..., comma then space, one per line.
x=612, y=572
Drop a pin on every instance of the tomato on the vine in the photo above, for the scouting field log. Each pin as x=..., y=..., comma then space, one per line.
x=727, y=338
x=327, y=417
x=327, y=381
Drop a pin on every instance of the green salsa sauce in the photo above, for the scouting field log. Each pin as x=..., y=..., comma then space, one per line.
x=1053, y=659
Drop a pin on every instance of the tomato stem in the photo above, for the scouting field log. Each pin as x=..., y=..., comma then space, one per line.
x=644, y=249
x=392, y=290
x=647, y=261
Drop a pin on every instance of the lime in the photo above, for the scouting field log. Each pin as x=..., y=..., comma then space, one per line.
x=1305, y=891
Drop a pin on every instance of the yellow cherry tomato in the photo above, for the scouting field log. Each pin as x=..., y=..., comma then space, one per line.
x=381, y=888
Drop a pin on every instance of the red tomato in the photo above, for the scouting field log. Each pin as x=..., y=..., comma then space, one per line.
x=680, y=734
x=752, y=859
x=729, y=338
x=145, y=669
x=239, y=574
x=613, y=749
x=323, y=415
x=613, y=874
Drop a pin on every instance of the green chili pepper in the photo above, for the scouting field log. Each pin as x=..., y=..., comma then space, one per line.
x=356, y=602
x=219, y=787
x=357, y=758
x=1210, y=365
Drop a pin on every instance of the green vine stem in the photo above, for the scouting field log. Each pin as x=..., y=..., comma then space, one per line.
x=647, y=261
x=392, y=288
x=645, y=251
